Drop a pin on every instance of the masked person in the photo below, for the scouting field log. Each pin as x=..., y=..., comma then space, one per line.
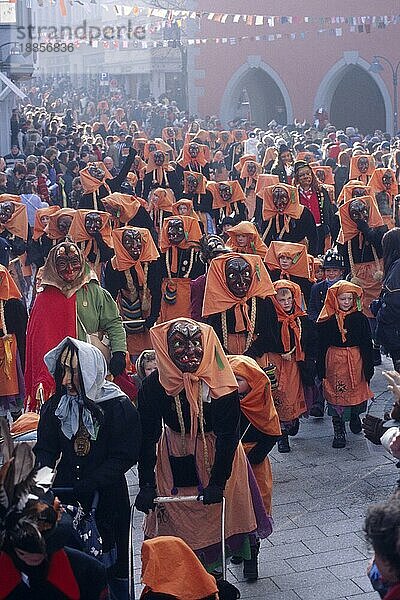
x=249, y=170
x=194, y=188
x=237, y=149
x=69, y=288
x=160, y=174
x=236, y=286
x=285, y=219
x=98, y=182
x=126, y=209
x=353, y=189
x=290, y=261
x=160, y=206
x=13, y=322
x=259, y=421
x=360, y=242
x=14, y=226
x=58, y=225
x=227, y=199
x=133, y=278
x=345, y=357
x=184, y=208
x=33, y=562
x=287, y=341
x=193, y=158
x=180, y=263
x=40, y=244
x=383, y=184
x=361, y=167
x=91, y=231
x=96, y=430
x=245, y=239
x=316, y=198
x=194, y=394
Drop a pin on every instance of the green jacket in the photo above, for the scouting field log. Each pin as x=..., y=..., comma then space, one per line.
x=98, y=312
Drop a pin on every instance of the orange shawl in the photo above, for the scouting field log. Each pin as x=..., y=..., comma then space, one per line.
x=331, y=305
x=244, y=173
x=192, y=236
x=18, y=223
x=347, y=190
x=51, y=230
x=146, y=148
x=170, y=567
x=77, y=231
x=126, y=205
x=329, y=176
x=217, y=296
x=224, y=143
x=201, y=188
x=89, y=183
x=257, y=405
x=164, y=202
x=122, y=261
x=184, y=202
x=269, y=156
x=355, y=171
x=132, y=179
x=297, y=252
x=244, y=158
x=10, y=198
x=376, y=185
x=235, y=133
x=165, y=136
x=290, y=321
x=159, y=171
x=218, y=201
x=8, y=289
x=293, y=210
x=348, y=228
x=38, y=227
x=214, y=369
x=306, y=156
x=255, y=245
x=264, y=180
x=187, y=160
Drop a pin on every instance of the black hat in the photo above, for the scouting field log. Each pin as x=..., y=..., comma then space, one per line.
x=333, y=260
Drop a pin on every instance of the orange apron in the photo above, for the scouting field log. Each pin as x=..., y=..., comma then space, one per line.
x=181, y=308
x=8, y=375
x=289, y=396
x=263, y=474
x=371, y=287
x=344, y=383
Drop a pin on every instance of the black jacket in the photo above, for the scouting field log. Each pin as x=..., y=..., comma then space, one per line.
x=388, y=316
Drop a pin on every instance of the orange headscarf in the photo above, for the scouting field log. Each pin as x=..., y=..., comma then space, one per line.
x=257, y=405
x=184, y=202
x=89, y=183
x=77, y=231
x=187, y=160
x=305, y=156
x=293, y=210
x=290, y=321
x=244, y=173
x=18, y=223
x=51, y=229
x=355, y=171
x=347, y=190
x=192, y=235
x=126, y=205
x=38, y=227
x=222, y=143
x=244, y=158
x=235, y=133
x=201, y=188
x=170, y=567
x=331, y=305
x=10, y=198
x=376, y=185
x=164, y=133
x=329, y=176
x=147, y=145
x=264, y=181
x=348, y=228
x=298, y=254
x=269, y=156
x=8, y=289
x=122, y=261
x=132, y=179
x=218, y=201
x=217, y=296
x=164, y=202
x=214, y=369
x=255, y=244
x=160, y=171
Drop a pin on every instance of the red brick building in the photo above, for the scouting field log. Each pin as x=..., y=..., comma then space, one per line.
x=292, y=76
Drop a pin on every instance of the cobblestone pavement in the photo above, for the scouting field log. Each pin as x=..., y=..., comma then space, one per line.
x=317, y=550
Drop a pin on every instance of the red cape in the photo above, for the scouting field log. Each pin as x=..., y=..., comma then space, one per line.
x=53, y=317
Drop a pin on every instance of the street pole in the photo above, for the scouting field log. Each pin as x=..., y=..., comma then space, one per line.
x=376, y=67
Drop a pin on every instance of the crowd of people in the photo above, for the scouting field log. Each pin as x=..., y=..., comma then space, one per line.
x=180, y=296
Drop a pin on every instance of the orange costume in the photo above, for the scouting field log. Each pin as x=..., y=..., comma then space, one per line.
x=122, y=207
x=218, y=300
x=384, y=195
x=254, y=244
x=361, y=167
x=348, y=190
x=260, y=413
x=91, y=184
x=226, y=207
x=249, y=179
x=181, y=265
x=87, y=243
x=160, y=206
x=51, y=230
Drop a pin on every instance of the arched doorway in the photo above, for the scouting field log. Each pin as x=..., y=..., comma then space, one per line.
x=353, y=95
x=257, y=94
x=357, y=101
